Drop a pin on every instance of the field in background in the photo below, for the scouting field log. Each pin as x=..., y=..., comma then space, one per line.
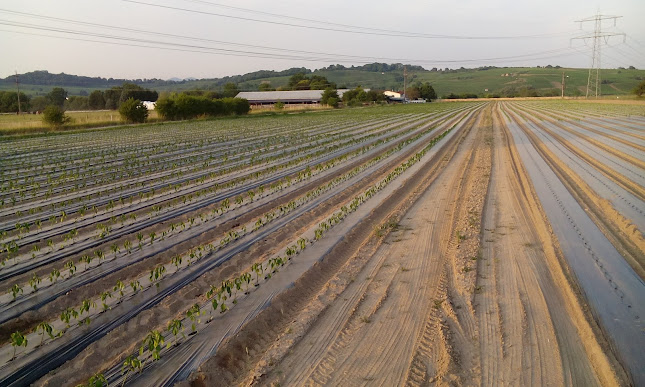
x=466, y=81
x=618, y=81
x=26, y=123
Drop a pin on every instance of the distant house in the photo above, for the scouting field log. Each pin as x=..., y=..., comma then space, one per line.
x=392, y=94
x=288, y=97
x=149, y=105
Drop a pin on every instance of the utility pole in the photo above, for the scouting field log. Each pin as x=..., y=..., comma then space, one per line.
x=563, y=85
x=18, y=87
x=593, y=81
x=405, y=83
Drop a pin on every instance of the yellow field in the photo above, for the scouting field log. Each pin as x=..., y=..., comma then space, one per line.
x=29, y=122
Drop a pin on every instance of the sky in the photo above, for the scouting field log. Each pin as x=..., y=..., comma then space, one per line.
x=137, y=39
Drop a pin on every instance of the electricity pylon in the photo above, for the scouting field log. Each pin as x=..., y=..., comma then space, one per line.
x=594, y=82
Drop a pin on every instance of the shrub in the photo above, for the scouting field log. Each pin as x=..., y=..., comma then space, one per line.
x=640, y=89
x=166, y=108
x=329, y=94
x=237, y=106
x=133, y=110
x=333, y=102
x=55, y=116
x=183, y=107
x=279, y=105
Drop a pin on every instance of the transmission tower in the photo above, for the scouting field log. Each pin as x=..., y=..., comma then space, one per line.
x=594, y=82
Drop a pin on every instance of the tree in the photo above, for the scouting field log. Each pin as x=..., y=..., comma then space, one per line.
x=9, y=102
x=38, y=104
x=328, y=94
x=57, y=96
x=230, y=90
x=96, y=100
x=640, y=89
x=133, y=110
x=355, y=97
x=426, y=91
x=111, y=104
x=76, y=102
x=264, y=86
x=295, y=79
x=413, y=93
x=54, y=116
x=375, y=96
x=300, y=81
x=303, y=85
x=318, y=82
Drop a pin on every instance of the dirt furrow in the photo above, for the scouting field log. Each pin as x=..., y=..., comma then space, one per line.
x=259, y=363
x=524, y=248
x=630, y=159
x=454, y=308
x=620, y=231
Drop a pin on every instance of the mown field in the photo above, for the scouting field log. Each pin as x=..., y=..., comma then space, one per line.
x=394, y=245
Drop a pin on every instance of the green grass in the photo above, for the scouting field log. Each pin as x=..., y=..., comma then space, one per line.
x=475, y=81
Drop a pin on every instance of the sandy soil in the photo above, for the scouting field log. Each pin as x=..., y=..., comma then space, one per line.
x=623, y=234
x=30, y=319
x=466, y=289
x=455, y=278
x=269, y=336
x=125, y=338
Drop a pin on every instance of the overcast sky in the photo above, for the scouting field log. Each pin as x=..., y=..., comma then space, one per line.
x=535, y=32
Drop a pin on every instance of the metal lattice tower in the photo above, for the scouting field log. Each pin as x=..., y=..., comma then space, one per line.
x=594, y=82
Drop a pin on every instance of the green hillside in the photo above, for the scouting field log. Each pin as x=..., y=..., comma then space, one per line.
x=617, y=82
x=542, y=80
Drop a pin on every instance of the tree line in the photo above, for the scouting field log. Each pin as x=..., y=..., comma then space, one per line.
x=300, y=81
x=110, y=99
x=184, y=106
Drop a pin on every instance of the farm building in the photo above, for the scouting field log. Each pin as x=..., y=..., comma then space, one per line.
x=392, y=94
x=288, y=97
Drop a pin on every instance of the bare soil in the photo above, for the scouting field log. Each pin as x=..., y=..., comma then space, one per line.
x=468, y=287
x=126, y=337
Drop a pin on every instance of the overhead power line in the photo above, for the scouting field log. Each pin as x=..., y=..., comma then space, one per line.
x=378, y=30
x=323, y=57
x=360, y=31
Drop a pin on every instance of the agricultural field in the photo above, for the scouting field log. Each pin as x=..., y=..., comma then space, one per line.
x=11, y=124
x=452, y=243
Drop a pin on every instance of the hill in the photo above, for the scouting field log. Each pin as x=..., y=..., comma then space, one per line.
x=480, y=81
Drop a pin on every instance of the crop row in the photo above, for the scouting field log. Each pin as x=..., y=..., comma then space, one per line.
x=226, y=205
x=208, y=189
x=222, y=297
